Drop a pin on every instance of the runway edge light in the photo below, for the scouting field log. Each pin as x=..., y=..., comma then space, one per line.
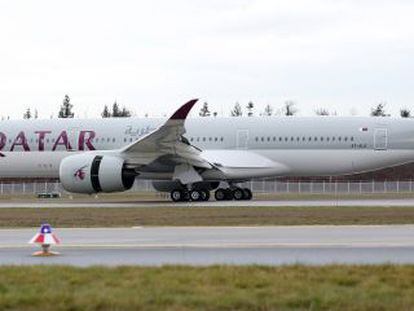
x=45, y=238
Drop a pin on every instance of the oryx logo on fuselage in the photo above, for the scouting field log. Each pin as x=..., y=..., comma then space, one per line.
x=80, y=174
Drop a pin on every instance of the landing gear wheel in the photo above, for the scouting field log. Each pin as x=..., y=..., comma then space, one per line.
x=205, y=195
x=238, y=194
x=247, y=194
x=195, y=195
x=229, y=194
x=220, y=194
x=177, y=195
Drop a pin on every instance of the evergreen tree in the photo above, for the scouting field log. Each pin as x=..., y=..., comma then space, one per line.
x=250, y=107
x=36, y=114
x=125, y=113
x=268, y=111
x=105, y=113
x=405, y=113
x=289, y=108
x=115, y=110
x=66, y=108
x=237, y=111
x=379, y=111
x=27, y=114
x=204, y=111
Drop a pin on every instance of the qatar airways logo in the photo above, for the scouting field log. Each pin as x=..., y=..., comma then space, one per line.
x=80, y=174
x=84, y=141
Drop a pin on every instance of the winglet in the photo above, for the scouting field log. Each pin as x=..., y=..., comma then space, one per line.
x=184, y=110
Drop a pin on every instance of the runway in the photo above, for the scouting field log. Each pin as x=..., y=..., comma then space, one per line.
x=99, y=203
x=218, y=245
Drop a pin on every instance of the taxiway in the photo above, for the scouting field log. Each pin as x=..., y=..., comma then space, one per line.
x=218, y=245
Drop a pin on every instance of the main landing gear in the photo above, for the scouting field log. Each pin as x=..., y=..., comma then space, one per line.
x=237, y=194
x=179, y=195
x=203, y=195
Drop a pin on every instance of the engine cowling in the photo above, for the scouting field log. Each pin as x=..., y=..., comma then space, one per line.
x=87, y=173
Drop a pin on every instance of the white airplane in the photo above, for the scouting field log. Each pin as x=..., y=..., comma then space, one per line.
x=191, y=158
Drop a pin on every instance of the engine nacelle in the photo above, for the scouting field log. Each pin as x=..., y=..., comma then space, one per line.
x=87, y=173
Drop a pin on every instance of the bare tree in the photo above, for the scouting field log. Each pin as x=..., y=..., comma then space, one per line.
x=204, y=111
x=250, y=107
x=322, y=112
x=289, y=108
x=268, y=110
x=405, y=113
x=27, y=114
x=379, y=110
x=237, y=111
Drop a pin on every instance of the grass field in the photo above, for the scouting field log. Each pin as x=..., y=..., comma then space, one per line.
x=208, y=288
x=204, y=216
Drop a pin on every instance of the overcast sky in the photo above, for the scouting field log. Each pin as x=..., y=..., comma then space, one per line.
x=152, y=56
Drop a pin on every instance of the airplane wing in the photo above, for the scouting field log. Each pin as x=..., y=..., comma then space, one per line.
x=167, y=140
x=167, y=146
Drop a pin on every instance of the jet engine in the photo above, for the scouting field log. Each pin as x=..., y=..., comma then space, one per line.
x=88, y=173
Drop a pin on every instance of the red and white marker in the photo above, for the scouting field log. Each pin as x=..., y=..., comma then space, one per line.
x=45, y=238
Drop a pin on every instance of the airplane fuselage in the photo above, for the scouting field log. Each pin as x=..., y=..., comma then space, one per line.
x=302, y=146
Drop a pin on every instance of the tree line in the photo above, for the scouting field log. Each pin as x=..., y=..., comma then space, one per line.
x=289, y=108
x=66, y=111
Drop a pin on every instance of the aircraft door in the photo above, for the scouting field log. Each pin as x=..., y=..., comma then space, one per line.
x=242, y=139
x=380, y=139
